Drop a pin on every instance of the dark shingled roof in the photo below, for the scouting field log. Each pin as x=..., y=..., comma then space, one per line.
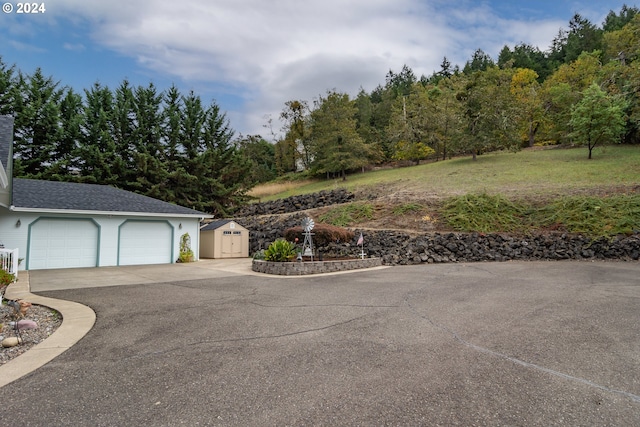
x=37, y=194
x=6, y=139
x=214, y=225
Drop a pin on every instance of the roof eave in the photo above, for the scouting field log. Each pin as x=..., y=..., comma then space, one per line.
x=108, y=213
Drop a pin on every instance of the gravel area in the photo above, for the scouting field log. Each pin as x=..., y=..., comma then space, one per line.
x=48, y=321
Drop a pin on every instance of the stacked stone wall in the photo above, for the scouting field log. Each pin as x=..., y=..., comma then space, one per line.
x=397, y=248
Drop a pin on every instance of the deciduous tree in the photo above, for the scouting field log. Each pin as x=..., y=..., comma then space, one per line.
x=526, y=91
x=598, y=118
x=489, y=112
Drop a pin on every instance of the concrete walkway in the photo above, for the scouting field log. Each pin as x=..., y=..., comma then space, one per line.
x=77, y=321
x=75, y=278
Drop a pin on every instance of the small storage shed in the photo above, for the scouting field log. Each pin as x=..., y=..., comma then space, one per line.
x=224, y=239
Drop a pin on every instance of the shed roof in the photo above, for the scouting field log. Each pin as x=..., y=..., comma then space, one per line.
x=38, y=195
x=214, y=225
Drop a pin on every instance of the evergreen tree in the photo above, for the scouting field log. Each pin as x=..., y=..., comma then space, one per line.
x=381, y=105
x=615, y=22
x=225, y=177
x=365, y=126
x=583, y=36
x=337, y=146
x=37, y=124
x=480, y=61
x=123, y=124
x=97, y=153
x=171, y=125
x=447, y=115
x=148, y=151
x=184, y=179
x=7, y=88
x=62, y=164
x=402, y=83
x=526, y=56
x=261, y=154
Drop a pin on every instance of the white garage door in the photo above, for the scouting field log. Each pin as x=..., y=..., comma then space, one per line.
x=63, y=243
x=145, y=242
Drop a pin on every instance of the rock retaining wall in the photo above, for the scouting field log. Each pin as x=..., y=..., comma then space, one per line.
x=397, y=248
x=312, y=267
x=298, y=203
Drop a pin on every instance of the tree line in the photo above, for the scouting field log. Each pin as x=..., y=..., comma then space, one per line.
x=162, y=144
x=171, y=146
x=583, y=90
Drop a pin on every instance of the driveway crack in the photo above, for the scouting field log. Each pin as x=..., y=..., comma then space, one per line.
x=457, y=337
x=276, y=336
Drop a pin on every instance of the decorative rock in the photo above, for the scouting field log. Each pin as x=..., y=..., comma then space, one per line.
x=25, y=324
x=11, y=342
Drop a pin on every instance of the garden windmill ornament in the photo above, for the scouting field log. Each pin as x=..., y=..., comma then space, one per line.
x=307, y=245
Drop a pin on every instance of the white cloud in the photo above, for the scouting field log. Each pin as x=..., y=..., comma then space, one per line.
x=76, y=47
x=275, y=51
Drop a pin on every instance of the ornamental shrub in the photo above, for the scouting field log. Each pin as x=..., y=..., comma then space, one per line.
x=186, y=253
x=280, y=251
x=6, y=278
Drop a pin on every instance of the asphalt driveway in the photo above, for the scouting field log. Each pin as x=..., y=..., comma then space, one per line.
x=519, y=344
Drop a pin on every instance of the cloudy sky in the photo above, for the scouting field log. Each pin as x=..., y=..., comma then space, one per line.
x=251, y=56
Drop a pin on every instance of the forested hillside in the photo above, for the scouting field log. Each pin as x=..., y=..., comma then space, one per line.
x=582, y=90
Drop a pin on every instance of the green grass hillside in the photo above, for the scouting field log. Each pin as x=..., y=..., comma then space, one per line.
x=528, y=173
x=538, y=189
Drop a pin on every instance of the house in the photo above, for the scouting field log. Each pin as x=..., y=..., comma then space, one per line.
x=224, y=239
x=63, y=225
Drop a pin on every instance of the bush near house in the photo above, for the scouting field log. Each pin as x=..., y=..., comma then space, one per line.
x=6, y=278
x=186, y=253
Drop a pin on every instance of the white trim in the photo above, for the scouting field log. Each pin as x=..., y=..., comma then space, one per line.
x=112, y=213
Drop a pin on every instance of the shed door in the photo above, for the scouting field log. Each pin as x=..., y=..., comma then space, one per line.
x=231, y=244
x=63, y=243
x=145, y=242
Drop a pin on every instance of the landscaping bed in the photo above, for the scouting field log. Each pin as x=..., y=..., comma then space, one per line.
x=299, y=268
x=48, y=321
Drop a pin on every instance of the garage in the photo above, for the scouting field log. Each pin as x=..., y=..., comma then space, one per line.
x=145, y=242
x=224, y=239
x=63, y=243
x=66, y=224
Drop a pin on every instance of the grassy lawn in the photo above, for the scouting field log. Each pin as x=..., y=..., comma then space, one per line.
x=525, y=174
x=552, y=189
